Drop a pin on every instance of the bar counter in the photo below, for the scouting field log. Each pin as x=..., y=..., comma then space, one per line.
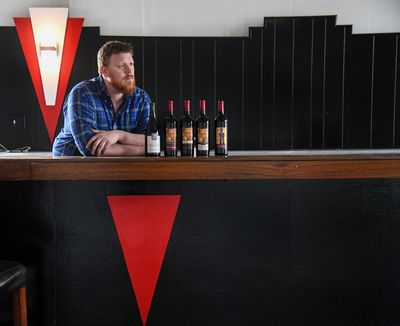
x=334, y=164
x=256, y=238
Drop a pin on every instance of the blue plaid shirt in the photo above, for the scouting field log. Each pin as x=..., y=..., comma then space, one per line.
x=88, y=105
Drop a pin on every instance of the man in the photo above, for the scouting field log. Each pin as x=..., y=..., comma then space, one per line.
x=106, y=115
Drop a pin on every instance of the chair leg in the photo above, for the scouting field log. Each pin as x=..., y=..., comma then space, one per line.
x=19, y=307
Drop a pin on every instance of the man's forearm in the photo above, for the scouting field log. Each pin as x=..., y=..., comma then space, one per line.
x=124, y=150
x=127, y=138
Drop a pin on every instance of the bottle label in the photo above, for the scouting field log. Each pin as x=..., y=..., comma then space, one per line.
x=170, y=139
x=153, y=143
x=187, y=136
x=202, y=139
x=221, y=137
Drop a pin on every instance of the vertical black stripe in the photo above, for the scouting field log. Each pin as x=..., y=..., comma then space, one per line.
x=323, y=86
x=372, y=91
x=193, y=79
x=343, y=84
x=261, y=87
x=242, y=95
x=395, y=91
x=274, y=88
x=180, y=73
x=143, y=64
x=292, y=90
x=215, y=78
x=155, y=69
x=311, y=80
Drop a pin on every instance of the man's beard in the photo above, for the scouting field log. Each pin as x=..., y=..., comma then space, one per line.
x=126, y=86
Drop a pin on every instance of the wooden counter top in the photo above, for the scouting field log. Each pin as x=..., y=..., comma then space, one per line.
x=256, y=165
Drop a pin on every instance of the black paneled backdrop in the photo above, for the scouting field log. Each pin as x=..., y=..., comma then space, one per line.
x=295, y=83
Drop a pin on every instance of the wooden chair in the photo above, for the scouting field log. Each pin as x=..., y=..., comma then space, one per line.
x=13, y=279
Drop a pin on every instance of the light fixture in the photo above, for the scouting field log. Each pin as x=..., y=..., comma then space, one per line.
x=49, y=25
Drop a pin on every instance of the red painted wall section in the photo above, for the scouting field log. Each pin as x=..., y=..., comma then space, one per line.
x=144, y=225
x=72, y=34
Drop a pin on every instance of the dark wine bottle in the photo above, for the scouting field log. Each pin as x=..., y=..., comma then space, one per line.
x=221, y=131
x=202, y=131
x=152, y=135
x=170, y=131
x=186, y=128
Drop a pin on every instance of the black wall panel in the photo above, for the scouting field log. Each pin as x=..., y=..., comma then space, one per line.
x=229, y=84
x=384, y=90
x=204, y=58
x=268, y=85
x=397, y=94
x=295, y=83
x=252, y=90
x=359, y=91
x=334, y=78
x=284, y=72
x=318, y=58
x=302, y=82
x=267, y=252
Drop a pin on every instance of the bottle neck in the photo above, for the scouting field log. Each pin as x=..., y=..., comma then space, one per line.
x=221, y=107
x=171, y=107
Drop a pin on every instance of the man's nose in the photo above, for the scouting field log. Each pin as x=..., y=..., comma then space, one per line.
x=129, y=70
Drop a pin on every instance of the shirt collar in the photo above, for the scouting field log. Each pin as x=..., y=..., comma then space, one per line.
x=101, y=86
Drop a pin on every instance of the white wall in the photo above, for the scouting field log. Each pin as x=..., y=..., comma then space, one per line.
x=210, y=17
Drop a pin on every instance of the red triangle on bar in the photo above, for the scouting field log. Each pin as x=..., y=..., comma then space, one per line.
x=72, y=34
x=144, y=225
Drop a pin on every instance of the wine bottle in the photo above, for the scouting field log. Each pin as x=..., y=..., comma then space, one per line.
x=202, y=131
x=152, y=134
x=221, y=131
x=186, y=128
x=170, y=131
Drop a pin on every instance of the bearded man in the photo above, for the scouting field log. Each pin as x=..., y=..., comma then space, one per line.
x=106, y=115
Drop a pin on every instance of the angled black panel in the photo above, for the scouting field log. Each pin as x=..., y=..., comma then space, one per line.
x=268, y=85
x=168, y=76
x=319, y=28
x=252, y=123
x=187, y=72
x=229, y=87
x=18, y=82
x=149, y=57
x=302, y=82
x=384, y=91
x=283, y=117
x=397, y=95
x=204, y=74
x=357, y=126
x=335, y=42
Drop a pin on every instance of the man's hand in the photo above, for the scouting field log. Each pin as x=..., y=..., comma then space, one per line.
x=102, y=140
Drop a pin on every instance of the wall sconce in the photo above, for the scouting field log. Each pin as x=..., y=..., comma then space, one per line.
x=48, y=50
x=49, y=25
x=49, y=40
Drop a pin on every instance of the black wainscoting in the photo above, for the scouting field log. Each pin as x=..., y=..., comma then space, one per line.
x=270, y=252
x=295, y=83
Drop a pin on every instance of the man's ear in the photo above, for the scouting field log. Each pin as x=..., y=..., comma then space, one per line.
x=104, y=71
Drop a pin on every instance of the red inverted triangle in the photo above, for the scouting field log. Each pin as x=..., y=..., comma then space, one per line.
x=72, y=35
x=144, y=225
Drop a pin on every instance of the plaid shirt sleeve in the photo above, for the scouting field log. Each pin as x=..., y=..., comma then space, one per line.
x=81, y=116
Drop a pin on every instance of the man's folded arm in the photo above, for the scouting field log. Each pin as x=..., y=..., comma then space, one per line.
x=81, y=116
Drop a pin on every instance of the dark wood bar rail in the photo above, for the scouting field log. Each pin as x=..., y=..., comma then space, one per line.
x=278, y=238
x=240, y=167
